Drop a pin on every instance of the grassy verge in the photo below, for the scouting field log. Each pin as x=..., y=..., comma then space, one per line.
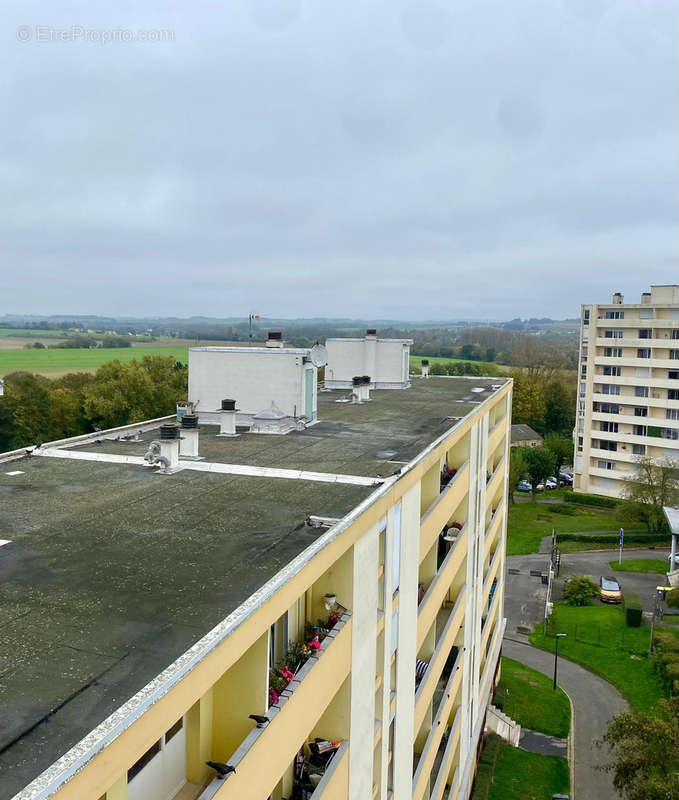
x=520, y=775
x=528, y=523
x=526, y=695
x=646, y=565
x=594, y=544
x=598, y=638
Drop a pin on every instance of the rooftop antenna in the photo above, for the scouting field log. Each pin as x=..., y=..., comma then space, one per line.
x=252, y=315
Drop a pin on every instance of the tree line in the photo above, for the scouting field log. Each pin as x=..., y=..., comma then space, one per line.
x=37, y=409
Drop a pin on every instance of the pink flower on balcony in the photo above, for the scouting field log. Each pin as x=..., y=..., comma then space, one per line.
x=287, y=674
x=314, y=644
x=273, y=696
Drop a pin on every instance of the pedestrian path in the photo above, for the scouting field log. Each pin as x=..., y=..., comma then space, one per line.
x=541, y=743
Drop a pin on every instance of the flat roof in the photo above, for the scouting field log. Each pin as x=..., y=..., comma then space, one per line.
x=113, y=571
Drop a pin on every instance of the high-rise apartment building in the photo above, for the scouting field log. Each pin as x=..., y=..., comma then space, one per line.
x=628, y=388
x=319, y=612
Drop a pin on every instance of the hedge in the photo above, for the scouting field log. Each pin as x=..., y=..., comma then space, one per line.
x=563, y=509
x=666, y=659
x=590, y=500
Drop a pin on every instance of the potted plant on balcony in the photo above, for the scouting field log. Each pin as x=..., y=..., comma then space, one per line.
x=329, y=599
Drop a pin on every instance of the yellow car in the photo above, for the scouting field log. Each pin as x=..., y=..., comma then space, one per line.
x=609, y=590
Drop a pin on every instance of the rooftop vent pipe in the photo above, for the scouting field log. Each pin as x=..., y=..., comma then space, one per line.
x=617, y=299
x=227, y=418
x=188, y=444
x=361, y=388
x=646, y=299
x=275, y=339
x=165, y=452
x=425, y=367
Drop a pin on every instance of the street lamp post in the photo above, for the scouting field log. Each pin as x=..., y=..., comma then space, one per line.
x=556, y=653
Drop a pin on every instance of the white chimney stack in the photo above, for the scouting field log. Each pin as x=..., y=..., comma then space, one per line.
x=169, y=447
x=617, y=299
x=425, y=367
x=188, y=443
x=361, y=388
x=227, y=418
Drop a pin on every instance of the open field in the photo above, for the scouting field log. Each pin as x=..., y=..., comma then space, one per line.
x=526, y=695
x=598, y=638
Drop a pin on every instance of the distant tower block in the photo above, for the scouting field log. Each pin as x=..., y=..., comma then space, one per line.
x=227, y=418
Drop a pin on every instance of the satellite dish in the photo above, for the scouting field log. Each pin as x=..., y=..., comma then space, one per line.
x=318, y=355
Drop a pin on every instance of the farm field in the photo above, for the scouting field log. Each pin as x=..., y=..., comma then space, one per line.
x=416, y=361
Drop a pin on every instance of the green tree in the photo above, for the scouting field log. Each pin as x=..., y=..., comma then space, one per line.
x=559, y=408
x=561, y=449
x=579, y=590
x=517, y=469
x=652, y=485
x=528, y=406
x=644, y=748
x=539, y=464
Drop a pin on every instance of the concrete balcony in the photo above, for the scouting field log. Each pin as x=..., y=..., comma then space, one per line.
x=625, y=456
x=614, y=474
x=496, y=435
x=448, y=760
x=631, y=360
x=440, y=586
x=493, y=528
x=266, y=753
x=665, y=344
x=495, y=479
x=442, y=509
x=492, y=571
x=624, y=400
x=490, y=620
x=629, y=419
x=425, y=691
x=451, y=696
x=334, y=784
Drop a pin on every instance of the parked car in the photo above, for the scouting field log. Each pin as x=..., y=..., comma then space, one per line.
x=523, y=486
x=609, y=590
x=551, y=483
x=540, y=487
x=566, y=478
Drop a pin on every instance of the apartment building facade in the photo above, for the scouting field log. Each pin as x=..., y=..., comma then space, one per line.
x=628, y=388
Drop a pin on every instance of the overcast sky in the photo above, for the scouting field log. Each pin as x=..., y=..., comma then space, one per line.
x=397, y=159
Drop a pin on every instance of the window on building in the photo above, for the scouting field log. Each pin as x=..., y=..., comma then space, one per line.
x=615, y=371
x=606, y=464
x=673, y=374
x=610, y=388
x=639, y=449
x=639, y=411
x=673, y=394
x=639, y=430
x=605, y=444
x=645, y=333
x=643, y=352
x=674, y=355
x=580, y=444
x=610, y=427
x=671, y=433
x=613, y=333
x=583, y=370
x=583, y=389
x=675, y=333
x=645, y=313
x=139, y=765
x=610, y=408
x=613, y=352
x=585, y=317
x=614, y=315
x=672, y=413
x=174, y=730
x=641, y=391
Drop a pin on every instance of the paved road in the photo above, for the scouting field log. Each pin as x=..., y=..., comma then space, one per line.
x=594, y=702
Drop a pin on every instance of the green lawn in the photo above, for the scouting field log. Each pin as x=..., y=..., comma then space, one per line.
x=61, y=360
x=520, y=775
x=526, y=695
x=24, y=333
x=529, y=522
x=598, y=638
x=640, y=565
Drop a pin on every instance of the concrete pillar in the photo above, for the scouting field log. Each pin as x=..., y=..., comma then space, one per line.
x=199, y=738
x=673, y=552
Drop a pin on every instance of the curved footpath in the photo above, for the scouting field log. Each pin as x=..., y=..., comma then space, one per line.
x=594, y=701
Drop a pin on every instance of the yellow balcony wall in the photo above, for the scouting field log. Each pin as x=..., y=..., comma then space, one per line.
x=440, y=586
x=441, y=510
x=425, y=691
x=496, y=436
x=494, y=483
x=489, y=624
x=448, y=760
x=267, y=752
x=493, y=528
x=493, y=568
x=450, y=700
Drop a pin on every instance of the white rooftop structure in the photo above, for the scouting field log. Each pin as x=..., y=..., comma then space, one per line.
x=385, y=361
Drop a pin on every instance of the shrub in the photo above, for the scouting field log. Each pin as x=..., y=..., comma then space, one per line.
x=633, y=609
x=580, y=590
x=590, y=500
x=672, y=598
x=563, y=509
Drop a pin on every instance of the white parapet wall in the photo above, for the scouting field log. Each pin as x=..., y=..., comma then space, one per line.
x=385, y=361
x=256, y=378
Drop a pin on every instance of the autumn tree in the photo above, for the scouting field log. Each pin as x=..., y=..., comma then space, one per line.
x=652, y=485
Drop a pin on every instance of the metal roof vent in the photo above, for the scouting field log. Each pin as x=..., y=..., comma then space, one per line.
x=361, y=388
x=272, y=420
x=169, y=432
x=275, y=339
x=645, y=300
x=188, y=444
x=227, y=418
x=425, y=367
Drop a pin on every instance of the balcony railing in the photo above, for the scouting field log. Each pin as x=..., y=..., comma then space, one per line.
x=335, y=781
x=432, y=744
x=491, y=529
x=265, y=754
x=425, y=691
x=447, y=761
x=439, y=512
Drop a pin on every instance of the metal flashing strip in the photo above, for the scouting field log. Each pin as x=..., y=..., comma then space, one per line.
x=215, y=466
